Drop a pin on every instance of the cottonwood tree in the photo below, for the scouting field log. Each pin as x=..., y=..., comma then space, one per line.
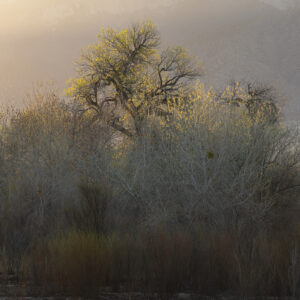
x=124, y=77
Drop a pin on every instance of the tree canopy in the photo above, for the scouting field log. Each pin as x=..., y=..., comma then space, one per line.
x=125, y=76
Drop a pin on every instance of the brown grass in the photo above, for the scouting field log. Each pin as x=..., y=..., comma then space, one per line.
x=166, y=261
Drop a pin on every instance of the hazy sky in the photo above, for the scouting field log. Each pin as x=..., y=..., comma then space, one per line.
x=17, y=16
x=39, y=39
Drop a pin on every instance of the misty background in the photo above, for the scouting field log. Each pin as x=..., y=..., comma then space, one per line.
x=235, y=39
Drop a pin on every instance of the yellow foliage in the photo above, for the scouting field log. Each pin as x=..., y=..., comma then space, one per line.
x=205, y=107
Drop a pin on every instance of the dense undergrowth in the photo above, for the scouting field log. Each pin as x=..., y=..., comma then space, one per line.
x=204, y=200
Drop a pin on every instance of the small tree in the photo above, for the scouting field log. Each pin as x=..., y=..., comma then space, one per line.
x=124, y=77
x=256, y=98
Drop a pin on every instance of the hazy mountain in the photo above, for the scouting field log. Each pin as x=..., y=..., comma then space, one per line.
x=260, y=44
x=248, y=39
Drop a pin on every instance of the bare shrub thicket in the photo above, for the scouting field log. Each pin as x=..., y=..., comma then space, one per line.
x=204, y=199
x=45, y=150
x=212, y=162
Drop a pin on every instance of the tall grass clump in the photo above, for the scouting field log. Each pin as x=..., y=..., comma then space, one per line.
x=164, y=261
x=90, y=213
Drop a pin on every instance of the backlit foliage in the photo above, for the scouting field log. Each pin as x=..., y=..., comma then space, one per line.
x=124, y=77
x=233, y=107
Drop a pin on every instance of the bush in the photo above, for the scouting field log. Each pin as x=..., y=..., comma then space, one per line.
x=45, y=149
x=90, y=213
x=204, y=200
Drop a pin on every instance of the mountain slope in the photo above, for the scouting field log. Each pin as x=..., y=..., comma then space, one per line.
x=236, y=39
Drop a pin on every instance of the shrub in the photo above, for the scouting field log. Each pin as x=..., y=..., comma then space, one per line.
x=83, y=209
x=44, y=149
x=90, y=213
x=211, y=162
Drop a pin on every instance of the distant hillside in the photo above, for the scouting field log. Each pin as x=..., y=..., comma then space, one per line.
x=251, y=42
x=236, y=39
